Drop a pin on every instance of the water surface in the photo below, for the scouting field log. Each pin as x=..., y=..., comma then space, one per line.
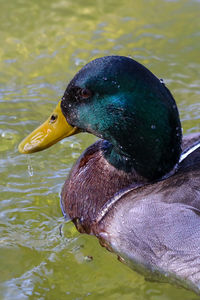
x=43, y=44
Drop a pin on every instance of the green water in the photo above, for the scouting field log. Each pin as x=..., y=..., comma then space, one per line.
x=43, y=44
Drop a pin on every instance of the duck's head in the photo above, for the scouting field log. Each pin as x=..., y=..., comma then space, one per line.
x=122, y=102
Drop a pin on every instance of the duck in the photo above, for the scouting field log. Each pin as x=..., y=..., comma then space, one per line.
x=137, y=188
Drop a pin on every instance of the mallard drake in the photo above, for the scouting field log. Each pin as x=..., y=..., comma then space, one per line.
x=137, y=188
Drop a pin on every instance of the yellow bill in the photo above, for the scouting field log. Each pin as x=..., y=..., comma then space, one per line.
x=49, y=133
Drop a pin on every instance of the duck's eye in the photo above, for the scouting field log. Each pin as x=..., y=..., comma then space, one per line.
x=85, y=93
x=53, y=118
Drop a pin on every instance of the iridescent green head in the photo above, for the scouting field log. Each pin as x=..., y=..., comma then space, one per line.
x=121, y=101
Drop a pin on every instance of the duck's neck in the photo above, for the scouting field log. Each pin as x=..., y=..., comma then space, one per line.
x=148, y=156
x=118, y=159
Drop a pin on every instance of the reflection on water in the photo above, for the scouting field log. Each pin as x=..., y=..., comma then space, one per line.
x=43, y=44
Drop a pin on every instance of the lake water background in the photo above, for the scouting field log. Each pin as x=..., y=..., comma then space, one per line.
x=43, y=44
